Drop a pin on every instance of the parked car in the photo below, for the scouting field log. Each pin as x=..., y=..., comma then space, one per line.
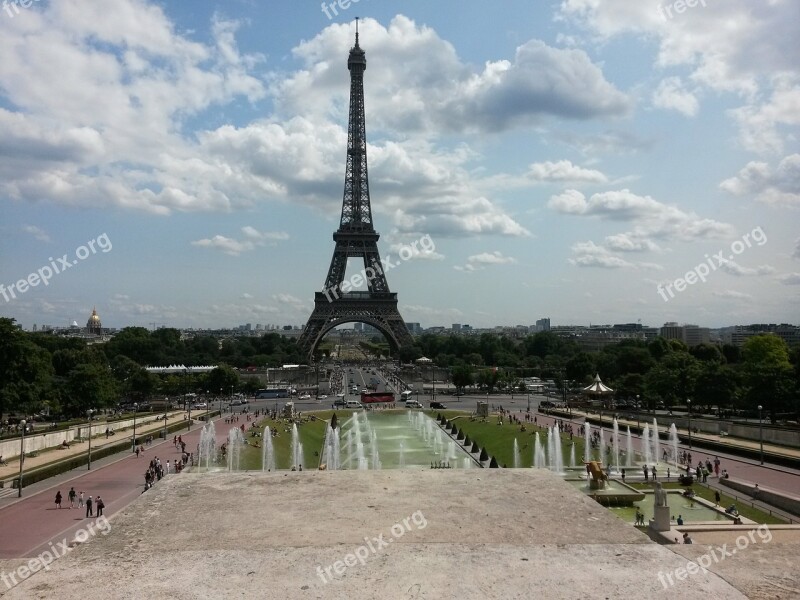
x=433, y=405
x=413, y=404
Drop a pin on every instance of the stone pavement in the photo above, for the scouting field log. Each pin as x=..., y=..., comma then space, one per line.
x=474, y=533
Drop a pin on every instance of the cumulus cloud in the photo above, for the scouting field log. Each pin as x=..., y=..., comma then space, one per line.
x=790, y=279
x=757, y=38
x=252, y=239
x=671, y=95
x=736, y=269
x=651, y=217
x=779, y=186
x=478, y=262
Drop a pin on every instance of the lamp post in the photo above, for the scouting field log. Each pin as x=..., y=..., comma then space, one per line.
x=637, y=411
x=135, y=408
x=89, y=414
x=208, y=405
x=22, y=423
x=166, y=405
x=189, y=404
x=689, y=413
x=761, y=432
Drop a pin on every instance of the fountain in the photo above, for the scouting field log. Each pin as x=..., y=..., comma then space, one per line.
x=673, y=442
x=646, y=449
x=402, y=457
x=235, y=443
x=629, y=450
x=297, y=448
x=207, y=452
x=331, y=449
x=268, y=452
x=376, y=461
x=572, y=462
x=539, y=457
x=615, y=442
x=587, y=447
x=656, y=442
x=603, y=458
x=516, y=454
x=554, y=452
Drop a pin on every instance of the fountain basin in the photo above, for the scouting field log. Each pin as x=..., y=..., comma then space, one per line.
x=615, y=493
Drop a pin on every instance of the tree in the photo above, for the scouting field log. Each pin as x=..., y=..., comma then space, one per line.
x=222, y=378
x=88, y=386
x=768, y=374
x=26, y=371
x=580, y=366
x=462, y=377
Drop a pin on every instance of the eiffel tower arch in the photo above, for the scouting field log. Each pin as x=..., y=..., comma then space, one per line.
x=355, y=238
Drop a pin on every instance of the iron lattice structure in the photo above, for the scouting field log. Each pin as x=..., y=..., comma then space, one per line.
x=356, y=237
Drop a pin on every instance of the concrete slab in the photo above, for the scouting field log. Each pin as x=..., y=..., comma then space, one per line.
x=492, y=533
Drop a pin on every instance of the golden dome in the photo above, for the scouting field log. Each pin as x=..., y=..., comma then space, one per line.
x=94, y=316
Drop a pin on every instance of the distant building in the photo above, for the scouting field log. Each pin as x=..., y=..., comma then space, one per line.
x=739, y=334
x=93, y=325
x=691, y=335
x=456, y=327
x=414, y=328
x=543, y=324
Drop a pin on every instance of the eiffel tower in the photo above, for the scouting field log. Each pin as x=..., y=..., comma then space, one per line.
x=356, y=237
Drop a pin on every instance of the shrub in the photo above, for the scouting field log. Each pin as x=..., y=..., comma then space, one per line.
x=493, y=463
x=484, y=455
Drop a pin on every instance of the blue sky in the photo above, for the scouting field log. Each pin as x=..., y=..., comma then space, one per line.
x=566, y=158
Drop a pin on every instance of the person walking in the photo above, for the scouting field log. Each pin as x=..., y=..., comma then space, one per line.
x=717, y=497
x=71, y=495
x=716, y=466
x=89, y=512
x=58, y=499
x=100, y=506
x=80, y=500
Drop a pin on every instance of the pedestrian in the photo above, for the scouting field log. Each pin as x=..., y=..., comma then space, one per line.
x=646, y=473
x=71, y=495
x=654, y=472
x=58, y=499
x=89, y=507
x=717, y=497
x=80, y=500
x=137, y=451
x=100, y=506
x=716, y=466
x=756, y=492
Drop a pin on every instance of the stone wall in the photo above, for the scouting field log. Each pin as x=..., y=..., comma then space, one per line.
x=40, y=440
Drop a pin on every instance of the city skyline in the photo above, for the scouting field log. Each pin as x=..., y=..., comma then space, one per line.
x=591, y=161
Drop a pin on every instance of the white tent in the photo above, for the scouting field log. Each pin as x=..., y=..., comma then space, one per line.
x=597, y=387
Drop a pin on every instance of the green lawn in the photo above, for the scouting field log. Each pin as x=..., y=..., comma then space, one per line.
x=499, y=439
x=312, y=434
x=707, y=493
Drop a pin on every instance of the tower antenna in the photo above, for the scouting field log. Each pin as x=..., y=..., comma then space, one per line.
x=356, y=31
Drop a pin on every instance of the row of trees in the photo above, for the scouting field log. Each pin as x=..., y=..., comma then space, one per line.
x=763, y=372
x=42, y=372
x=45, y=373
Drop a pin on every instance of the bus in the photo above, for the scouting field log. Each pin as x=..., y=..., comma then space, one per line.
x=273, y=393
x=373, y=397
x=405, y=396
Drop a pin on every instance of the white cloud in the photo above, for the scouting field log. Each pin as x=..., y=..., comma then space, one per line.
x=732, y=295
x=796, y=253
x=430, y=89
x=671, y=95
x=37, y=232
x=478, y=262
x=652, y=218
x=779, y=187
x=589, y=254
x=736, y=269
x=790, y=279
x=253, y=239
x=728, y=47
